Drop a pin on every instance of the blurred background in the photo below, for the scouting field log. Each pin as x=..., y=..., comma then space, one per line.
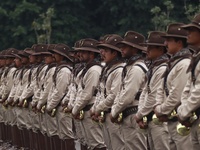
x=25, y=22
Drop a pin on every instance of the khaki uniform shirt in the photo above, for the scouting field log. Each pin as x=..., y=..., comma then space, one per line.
x=109, y=90
x=148, y=96
x=85, y=95
x=8, y=82
x=190, y=98
x=59, y=89
x=46, y=87
x=176, y=82
x=28, y=88
x=133, y=82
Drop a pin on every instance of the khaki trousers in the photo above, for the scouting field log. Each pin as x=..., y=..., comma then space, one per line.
x=92, y=132
x=158, y=136
x=176, y=141
x=64, y=124
x=112, y=135
x=195, y=135
x=133, y=137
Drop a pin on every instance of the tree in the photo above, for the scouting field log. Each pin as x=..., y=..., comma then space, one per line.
x=44, y=27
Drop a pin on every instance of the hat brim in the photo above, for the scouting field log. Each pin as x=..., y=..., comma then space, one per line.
x=17, y=56
x=108, y=46
x=46, y=53
x=133, y=45
x=58, y=52
x=189, y=26
x=29, y=52
x=9, y=56
x=87, y=49
x=174, y=36
x=153, y=44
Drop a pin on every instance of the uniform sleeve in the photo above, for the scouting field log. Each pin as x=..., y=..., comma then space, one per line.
x=62, y=82
x=133, y=81
x=47, y=85
x=191, y=101
x=150, y=98
x=176, y=88
x=8, y=83
x=91, y=80
x=115, y=87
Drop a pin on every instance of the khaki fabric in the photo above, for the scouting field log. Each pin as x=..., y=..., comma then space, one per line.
x=46, y=86
x=110, y=88
x=86, y=96
x=176, y=82
x=11, y=111
x=176, y=141
x=190, y=98
x=148, y=100
x=92, y=131
x=8, y=82
x=126, y=97
x=56, y=125
x=190, y=102
x=195, y=135
x=158, y=136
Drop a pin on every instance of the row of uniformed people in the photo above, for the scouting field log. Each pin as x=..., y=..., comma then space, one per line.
x=104, y=101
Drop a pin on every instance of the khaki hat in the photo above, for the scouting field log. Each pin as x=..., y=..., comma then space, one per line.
x=134, y=39
x=155, y=39
x=88, y=45
x=9, y=53
x=195, y=23
x=61, y=49
x=111, y=41
x=176, y=30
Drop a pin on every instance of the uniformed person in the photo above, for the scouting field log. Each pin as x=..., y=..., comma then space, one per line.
x=174, y=80
x=85, y=98
x=2, y=68
x=15, y=132
x=6, y=88
x=60, y=126
x=156, y=55
x=190, y=101
x=69, y=100
x=126, y=102
x=46, y=84
x=109, y=82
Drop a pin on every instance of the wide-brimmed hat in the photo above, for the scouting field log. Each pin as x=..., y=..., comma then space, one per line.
x=2, y=54
x=9, y=53
x=111, y=41
x=88, y=45
x=155, y=39
x=39, y=49
x=63, y=50
x=195, y=22
x=134, y=39
x=76, y=45
x=176, y=30
x=49, y=47
x=29, y=51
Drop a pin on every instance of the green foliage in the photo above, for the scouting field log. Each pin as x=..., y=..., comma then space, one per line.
x=25, y=22
x=162, y=18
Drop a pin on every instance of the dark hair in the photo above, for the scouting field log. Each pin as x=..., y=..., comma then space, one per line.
x=184, y=41
x=119, y=55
